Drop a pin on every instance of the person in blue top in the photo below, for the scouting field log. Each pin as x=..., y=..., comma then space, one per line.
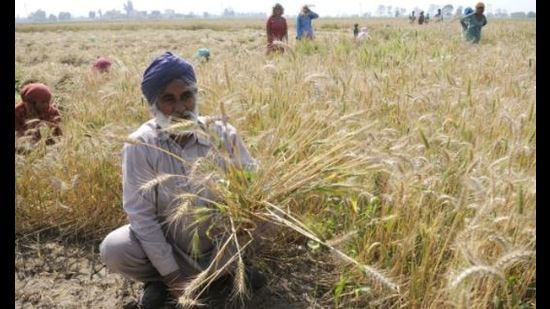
x=473, y=22
x=303, y=23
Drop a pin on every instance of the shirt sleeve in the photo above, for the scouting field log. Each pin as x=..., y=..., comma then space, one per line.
x=463, y=22
x=140, y=205
x=268, y=30
x=19, y=118
x=313, y=15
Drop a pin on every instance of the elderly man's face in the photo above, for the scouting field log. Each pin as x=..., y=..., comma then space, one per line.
x=178, y=99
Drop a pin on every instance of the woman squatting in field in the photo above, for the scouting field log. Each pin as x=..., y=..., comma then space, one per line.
x=34, y=110
x=166, y=257
x=102, y=65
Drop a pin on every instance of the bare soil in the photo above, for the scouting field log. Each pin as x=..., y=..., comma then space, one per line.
x=60, y=274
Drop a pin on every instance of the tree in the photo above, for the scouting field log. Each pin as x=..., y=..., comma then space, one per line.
x=381, y=10
x=169, y=13
x=501, y=13
x=64, y=16
x=205, y=15
x=458, y=11
x=447, y=10
x=91, y=15
x=99, y=13
x=113, y=14
x=156, y=14
x=532, y=14
x=389, y=9
x=518, y=15
x=189, y=15
x=228, y=12
x=129, y=7
x=39, y=15
x=52, y=18
x=139, y=14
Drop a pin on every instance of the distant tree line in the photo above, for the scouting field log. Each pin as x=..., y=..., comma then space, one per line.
x=130, y=12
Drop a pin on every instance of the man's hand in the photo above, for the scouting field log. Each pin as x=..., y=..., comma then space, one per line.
x=176, y=282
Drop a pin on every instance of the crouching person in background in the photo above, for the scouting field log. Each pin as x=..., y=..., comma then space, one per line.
x=34, y=111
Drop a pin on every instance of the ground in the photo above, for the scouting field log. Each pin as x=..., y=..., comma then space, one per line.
x=61, y=274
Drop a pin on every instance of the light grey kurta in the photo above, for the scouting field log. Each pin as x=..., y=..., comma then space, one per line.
x=164, y=247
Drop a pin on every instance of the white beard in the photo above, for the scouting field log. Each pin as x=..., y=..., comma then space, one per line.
x=170, y=123
x=162, y=120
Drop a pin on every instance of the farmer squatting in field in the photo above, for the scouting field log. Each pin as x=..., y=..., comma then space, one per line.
x=166, y=256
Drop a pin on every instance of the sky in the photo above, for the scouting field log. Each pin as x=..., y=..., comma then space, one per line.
x=323, y=7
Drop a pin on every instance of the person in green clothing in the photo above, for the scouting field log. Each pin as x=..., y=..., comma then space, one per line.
x=203, y=54
x=473, y=22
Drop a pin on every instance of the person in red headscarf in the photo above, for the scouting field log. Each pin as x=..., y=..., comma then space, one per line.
x=34, y=110
x=276, y=29
x=102, y=65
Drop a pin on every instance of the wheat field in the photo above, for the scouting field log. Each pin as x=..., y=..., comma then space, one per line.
x=413, y=155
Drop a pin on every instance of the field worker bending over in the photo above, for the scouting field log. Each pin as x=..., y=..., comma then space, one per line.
x=34, y=110
x=473, y=22
x=363, y=34
x=203, y=54
x=304, y=29
x=165, y=257
x=276, y=29
x=102, y=65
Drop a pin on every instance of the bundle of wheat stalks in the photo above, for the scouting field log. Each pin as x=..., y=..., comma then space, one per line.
x=309, y=165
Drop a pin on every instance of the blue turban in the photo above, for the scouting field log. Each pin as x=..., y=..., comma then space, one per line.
x=164, y=69
x=468, y=10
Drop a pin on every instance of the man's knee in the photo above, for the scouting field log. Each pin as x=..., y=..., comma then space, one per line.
x=122, y=254
x=112, y=250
